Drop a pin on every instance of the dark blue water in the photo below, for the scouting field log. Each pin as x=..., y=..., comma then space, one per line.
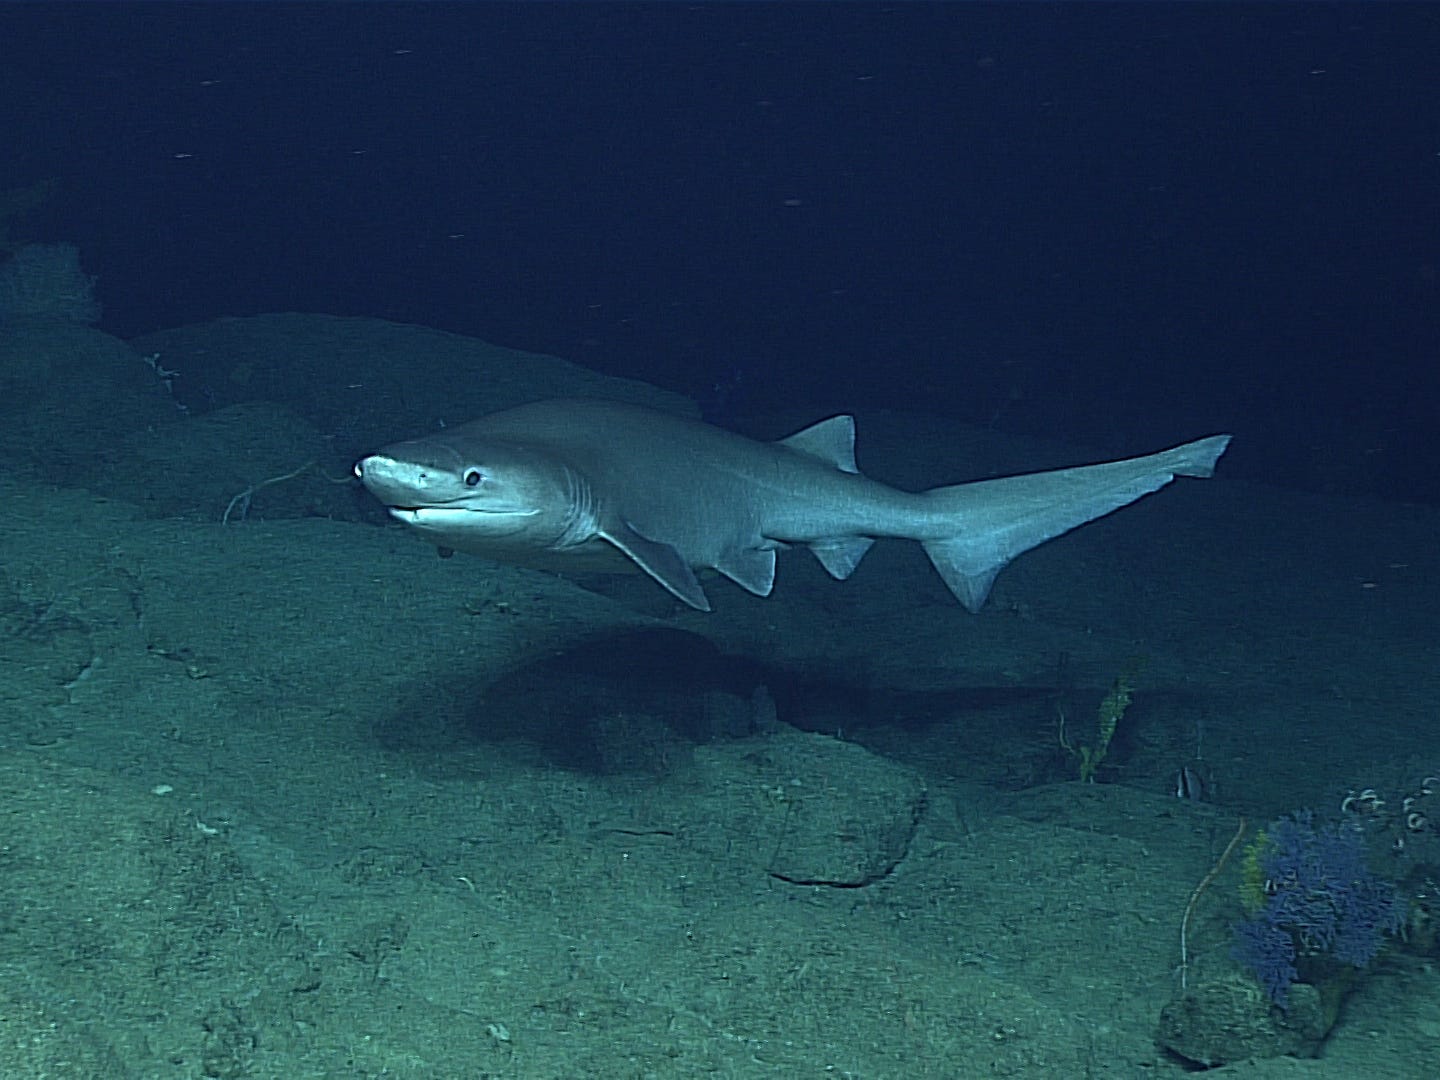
x=1122, y=225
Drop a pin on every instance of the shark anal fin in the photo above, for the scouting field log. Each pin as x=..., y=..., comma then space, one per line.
x=662, y=562
x=841, y=555
x=968, y=571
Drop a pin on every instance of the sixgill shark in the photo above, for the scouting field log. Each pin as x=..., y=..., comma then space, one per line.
x=603, y=485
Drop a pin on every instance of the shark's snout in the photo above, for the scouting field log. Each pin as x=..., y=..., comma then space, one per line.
x=400, y=483
x=392, y=482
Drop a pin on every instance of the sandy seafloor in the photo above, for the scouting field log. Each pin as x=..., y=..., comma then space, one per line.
x=289, y=796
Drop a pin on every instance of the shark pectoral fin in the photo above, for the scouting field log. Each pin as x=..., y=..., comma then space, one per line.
x=661, y=561
x=752, y=569
x=841, y=555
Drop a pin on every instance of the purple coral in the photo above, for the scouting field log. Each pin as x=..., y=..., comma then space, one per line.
x=1268, y=951
x=1323, y=901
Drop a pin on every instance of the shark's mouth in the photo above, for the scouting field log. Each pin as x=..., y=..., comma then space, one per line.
x=434, y=517
x=415, y=515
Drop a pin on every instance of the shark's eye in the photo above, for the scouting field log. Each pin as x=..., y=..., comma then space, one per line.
x=473, y=477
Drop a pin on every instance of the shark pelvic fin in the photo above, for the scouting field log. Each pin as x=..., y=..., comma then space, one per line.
x=753, y=569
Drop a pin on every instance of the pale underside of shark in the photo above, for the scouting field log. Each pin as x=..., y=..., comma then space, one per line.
x=602, y=485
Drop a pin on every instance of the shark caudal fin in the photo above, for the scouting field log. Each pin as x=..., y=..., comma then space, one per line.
x=995, y=520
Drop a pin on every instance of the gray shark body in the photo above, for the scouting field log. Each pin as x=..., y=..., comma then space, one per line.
x=603, y=485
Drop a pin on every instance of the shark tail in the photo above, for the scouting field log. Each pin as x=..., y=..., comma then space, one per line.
x=995, y=520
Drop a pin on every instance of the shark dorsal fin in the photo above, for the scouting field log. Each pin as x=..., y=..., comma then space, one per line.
x=832, y=441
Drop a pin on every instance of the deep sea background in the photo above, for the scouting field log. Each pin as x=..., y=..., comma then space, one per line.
x=1120, y=225
x=284, y=794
